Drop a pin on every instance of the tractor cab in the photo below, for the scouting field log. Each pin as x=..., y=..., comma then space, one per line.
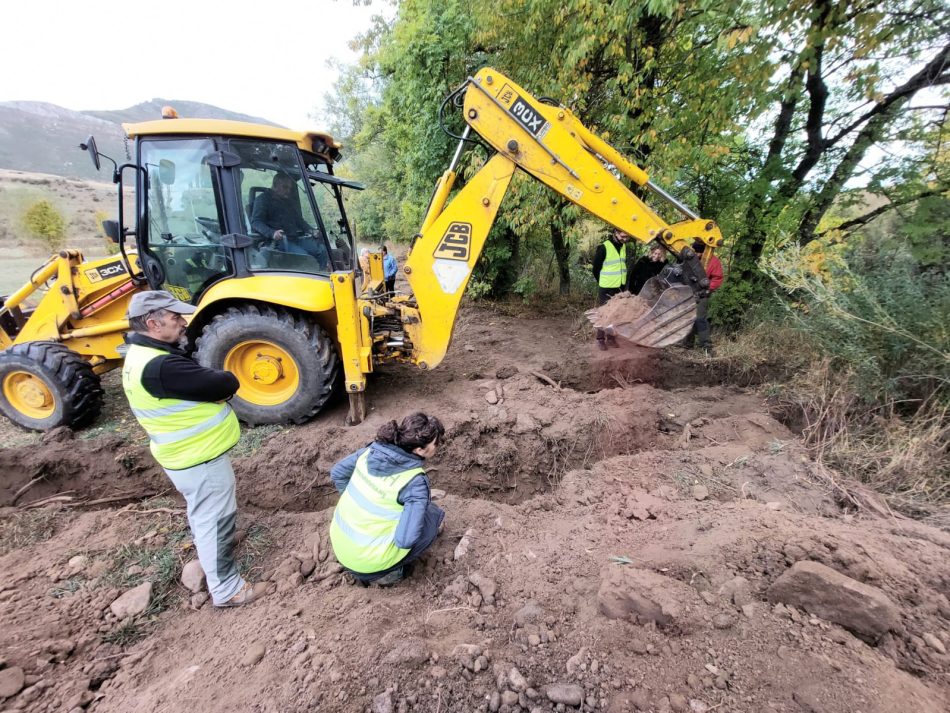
x=223, y=199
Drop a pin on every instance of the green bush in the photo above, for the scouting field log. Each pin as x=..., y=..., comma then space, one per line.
x=43, y=222
x=876, y=315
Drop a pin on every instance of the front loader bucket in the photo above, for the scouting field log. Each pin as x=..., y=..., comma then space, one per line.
x=661, y=315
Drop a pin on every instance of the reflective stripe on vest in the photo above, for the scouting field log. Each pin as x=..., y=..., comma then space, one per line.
x=613, y=273
x=363, y=530
x=182, y=433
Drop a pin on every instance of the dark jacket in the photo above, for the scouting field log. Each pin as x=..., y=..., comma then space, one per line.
x=271, y=214
x=384, y=460
x=176, y=376
x=642, y=270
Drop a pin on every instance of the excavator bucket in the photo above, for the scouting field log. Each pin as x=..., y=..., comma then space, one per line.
x=660, y=316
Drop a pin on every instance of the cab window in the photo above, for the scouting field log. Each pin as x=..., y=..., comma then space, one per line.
x=184, y=224
x=279, y=216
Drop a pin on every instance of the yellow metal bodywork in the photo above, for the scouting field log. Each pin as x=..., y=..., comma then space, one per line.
x=304, y=292
x=548, y=143
x=312, y=141
x=64, y=312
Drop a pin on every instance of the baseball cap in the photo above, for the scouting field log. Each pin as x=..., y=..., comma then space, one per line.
x=151, y=300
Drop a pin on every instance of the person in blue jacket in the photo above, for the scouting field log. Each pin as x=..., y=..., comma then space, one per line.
x=385, y=518
x=389, y=269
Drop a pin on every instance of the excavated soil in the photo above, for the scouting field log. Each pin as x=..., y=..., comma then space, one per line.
x=576, y=484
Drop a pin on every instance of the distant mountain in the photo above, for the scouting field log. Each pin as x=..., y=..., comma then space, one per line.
x=44, y=138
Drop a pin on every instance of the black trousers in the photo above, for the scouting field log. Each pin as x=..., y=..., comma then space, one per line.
x=701, y=329
x=391, y=284
x=604, y=294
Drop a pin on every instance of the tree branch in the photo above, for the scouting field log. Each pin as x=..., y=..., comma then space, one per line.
x=881, y=210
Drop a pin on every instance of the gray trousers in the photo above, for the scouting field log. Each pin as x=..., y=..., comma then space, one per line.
x=209, y=494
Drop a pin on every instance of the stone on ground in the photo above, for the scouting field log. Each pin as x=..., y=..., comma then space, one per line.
x=570, y=694
x=11, y=681
x=134, y=601
x=193, y=577
x=255, y=652
x=860, y=608
x=641, y=595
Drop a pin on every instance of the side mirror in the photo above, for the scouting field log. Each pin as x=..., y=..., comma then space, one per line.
x=166, y=171
x=111, y=229
x=90, y=146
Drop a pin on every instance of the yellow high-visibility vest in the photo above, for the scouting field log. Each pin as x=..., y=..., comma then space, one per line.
x=613, y=273
x=363, y=530
x=181, y=433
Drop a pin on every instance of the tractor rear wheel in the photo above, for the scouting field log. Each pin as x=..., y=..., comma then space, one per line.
x=284, y=360
x=44, y=385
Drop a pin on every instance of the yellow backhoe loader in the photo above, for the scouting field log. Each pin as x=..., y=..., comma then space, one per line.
x=288, y=310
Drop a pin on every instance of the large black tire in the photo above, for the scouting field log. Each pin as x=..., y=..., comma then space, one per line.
x=296, y=335
x=70, y=381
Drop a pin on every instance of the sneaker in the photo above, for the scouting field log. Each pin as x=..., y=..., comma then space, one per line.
x=249, y=593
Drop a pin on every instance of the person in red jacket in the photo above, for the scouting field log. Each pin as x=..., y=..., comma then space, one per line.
x=715, y=275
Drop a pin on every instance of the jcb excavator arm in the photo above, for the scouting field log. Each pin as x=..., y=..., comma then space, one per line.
x=550, y=144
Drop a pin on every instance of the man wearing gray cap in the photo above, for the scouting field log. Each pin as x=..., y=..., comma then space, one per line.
x=183, y=408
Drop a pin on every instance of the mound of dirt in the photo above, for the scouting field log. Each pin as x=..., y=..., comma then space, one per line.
x=619, y=549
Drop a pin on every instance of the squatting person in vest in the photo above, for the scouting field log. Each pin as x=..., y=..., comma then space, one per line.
x=385, y=519
x=610, y=271
x=183, y=408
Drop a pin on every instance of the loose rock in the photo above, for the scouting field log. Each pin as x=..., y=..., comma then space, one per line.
x=383, y=703
x=569, y=694
x=135, y=601
x=461, y=549
x=255, y=652
x=860, y=608
x=700, y=491
x=12, y=681
x=486, y=586
x=641, y=595
x=193, y=576
x=934, y=643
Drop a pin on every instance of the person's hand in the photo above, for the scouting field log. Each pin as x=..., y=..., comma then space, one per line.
x=278, y=235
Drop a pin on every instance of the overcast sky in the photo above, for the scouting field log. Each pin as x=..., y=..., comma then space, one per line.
x=267, y=58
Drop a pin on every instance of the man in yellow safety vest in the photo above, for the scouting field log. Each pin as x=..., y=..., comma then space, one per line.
x=184, y=410
x=610, y=271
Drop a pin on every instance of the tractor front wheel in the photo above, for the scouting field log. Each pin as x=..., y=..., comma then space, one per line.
x=44, y=385
x=284, y=360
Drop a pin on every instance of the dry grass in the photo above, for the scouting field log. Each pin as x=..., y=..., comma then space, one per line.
x=906, y=458
x=27, y=527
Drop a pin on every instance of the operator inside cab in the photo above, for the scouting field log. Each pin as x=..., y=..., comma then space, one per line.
x=276, y=215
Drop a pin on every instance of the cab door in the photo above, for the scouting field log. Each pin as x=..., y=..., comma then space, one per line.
x=181, y=217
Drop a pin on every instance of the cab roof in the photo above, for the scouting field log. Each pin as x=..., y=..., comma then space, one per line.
x=316, y=142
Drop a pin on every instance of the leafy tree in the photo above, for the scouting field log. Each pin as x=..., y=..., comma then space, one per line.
x=45, y=223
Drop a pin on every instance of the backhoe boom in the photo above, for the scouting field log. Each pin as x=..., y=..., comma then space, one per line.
x=550, y=144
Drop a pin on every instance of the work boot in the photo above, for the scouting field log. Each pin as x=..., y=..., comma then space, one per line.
x=612, y=341
x=248, y=593
x=389, y=579
x=602, y=345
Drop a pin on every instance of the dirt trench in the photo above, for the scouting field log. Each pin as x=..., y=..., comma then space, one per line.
x=570, y=478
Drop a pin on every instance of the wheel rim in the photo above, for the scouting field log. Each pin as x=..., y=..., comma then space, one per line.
x=29, y=394
x=268, y=374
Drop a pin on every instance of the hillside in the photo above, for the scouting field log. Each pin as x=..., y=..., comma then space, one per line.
x=44, y=138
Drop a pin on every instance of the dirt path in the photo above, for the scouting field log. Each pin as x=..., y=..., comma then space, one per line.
x=610, y=545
